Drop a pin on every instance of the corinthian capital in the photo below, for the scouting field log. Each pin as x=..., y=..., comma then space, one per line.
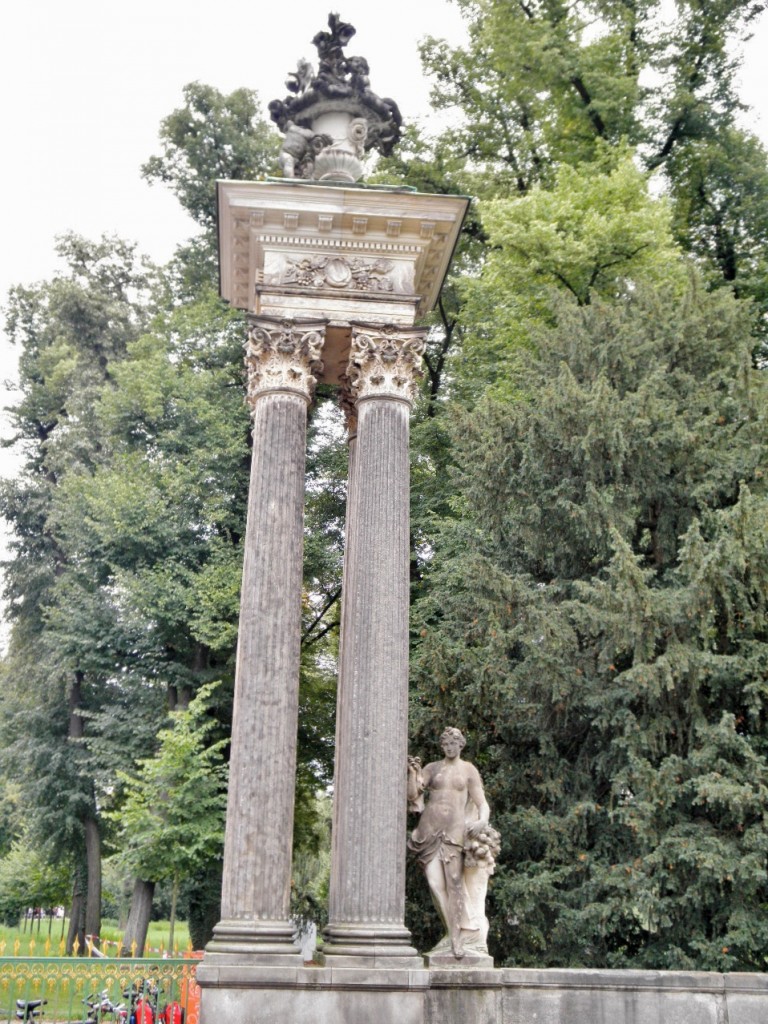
x=283, y=355
x=384, y=361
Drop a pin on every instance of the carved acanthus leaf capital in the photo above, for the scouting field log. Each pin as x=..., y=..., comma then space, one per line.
x=384, y=361
x=283, y=355
x=347, y=405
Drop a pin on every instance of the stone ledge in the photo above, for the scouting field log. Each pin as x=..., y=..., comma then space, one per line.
x=586, y=978
x=466, y=978
x=243, y=976
x=746, y=983
x=352, y=995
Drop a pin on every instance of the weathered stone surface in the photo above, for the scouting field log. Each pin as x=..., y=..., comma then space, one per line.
x=259, y=831
x=616, y=997
x=367, y=894
x=334, y=995
x=315, y=996
x=474, y=997
x=332, y=118
x=445, y=960
x=456, y=848
x=746, y=998
x=293, y=249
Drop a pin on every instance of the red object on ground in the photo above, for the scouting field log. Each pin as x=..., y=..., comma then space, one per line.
x=144, y=1014
x=173, y=1014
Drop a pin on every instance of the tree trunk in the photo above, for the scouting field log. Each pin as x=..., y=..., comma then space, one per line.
x=75, y=730
x=93, y=891
x=174, y=900
x=77, y=916
x=135, y=936
x=92, y=902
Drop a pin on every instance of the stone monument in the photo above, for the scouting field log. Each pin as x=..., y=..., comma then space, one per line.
x=457, y=849
x=332, y=118
x=334, y=276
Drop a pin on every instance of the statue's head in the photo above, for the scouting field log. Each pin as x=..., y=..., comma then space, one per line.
x=451, y=733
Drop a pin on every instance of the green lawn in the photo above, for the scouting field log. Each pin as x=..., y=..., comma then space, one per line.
x=35, y=941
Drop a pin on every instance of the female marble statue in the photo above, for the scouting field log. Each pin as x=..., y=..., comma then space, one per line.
x=454, y=843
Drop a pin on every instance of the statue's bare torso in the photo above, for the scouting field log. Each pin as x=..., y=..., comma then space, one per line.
x=450, y=785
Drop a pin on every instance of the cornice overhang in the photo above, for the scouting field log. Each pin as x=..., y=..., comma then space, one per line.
x=296, y=249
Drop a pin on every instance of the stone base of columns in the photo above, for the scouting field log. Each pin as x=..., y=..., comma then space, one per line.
x=240, y=941
x=354, y=945
x=312, y=995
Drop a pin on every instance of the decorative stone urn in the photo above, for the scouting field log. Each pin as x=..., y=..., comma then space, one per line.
x=332, y=118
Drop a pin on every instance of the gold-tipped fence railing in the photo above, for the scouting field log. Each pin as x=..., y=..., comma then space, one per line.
x=69, y=984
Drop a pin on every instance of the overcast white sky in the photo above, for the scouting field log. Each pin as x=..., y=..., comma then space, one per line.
x=87, y=82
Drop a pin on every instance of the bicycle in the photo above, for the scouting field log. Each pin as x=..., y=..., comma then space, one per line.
x=29, y=1009
x=101, y=1005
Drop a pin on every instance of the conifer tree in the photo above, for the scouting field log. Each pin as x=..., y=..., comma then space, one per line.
x=596, y=620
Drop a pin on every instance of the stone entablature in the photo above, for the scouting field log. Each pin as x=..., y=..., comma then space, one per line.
x=302, y=250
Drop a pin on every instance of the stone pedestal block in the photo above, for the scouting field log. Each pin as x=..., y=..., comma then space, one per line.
x=469, y=962
x=324, y=995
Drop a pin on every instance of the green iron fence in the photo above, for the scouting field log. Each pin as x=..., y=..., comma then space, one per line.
x=67, y=983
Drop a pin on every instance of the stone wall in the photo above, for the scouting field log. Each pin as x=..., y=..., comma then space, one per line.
x=519, y=996
x=339, y=995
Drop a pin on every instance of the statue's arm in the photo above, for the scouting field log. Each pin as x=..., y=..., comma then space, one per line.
x=477, y=796
x=417, y=784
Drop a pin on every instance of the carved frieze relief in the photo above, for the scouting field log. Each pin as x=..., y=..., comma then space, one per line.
x=338, y=271
x=283, y=355
x=385, y=362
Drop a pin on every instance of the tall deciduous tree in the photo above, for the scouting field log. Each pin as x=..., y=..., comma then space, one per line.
x=71, y=332
x=212, y=136
x=543, y=83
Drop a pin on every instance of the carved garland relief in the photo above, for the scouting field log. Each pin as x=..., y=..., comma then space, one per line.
x=336, y=272
x=283, y=355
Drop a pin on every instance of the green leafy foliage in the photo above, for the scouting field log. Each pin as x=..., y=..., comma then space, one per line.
x=212, y=136
x=171, y=818
x=29, y=880
x=588, y=521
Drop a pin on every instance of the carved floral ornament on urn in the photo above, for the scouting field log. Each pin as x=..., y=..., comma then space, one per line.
x=334, y=276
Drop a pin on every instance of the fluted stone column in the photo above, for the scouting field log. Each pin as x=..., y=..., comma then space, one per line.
x=281, y=357
x=367, y=895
